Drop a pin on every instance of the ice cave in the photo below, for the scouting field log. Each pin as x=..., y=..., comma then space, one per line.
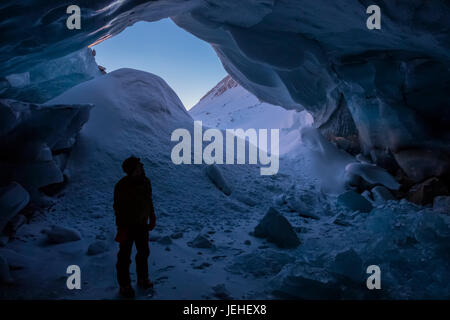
x=364, y=169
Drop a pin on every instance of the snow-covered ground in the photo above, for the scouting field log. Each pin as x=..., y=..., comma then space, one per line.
x=135, y=113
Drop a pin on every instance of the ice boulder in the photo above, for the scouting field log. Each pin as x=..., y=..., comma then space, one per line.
x=13, y=198
x=215, y=175
x=354, y=202
x=372, y=174
x=442, y=204
x=301, y=280
x=349, y=265
x=200, y=241
x=277, y=229
x=97, y=247
x=59, y=234
x=30, y=134
x=381, y=194
x=260, y=263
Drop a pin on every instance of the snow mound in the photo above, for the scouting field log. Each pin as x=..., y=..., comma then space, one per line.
x=372, y=174
x=58, y=234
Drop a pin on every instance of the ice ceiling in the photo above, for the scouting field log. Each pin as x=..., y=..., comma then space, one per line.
x=390, y=86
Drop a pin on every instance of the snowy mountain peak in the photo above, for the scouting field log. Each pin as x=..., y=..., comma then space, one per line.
x=224, y=85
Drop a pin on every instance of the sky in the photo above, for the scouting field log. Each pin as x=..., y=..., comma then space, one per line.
x=189, y=65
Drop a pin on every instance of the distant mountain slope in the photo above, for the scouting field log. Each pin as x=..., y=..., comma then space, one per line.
x=229, y=106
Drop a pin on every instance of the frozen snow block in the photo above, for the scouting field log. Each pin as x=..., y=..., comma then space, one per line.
x=58, y=235
x=215, y=175
x=349, y=265
x=38, y=174
x=303, y=281
x=277, y=229
x=372, y=174
x=200, y=242
x=354, y=201
x=13, y=198
x=260, y=263
x=381, y=194
x=301, y=207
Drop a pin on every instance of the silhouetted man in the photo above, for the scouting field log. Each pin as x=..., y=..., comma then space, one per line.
x=135, y=217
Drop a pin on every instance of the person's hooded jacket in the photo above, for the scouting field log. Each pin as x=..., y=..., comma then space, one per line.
x=133, y=203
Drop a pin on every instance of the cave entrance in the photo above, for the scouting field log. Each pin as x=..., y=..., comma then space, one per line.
x=189, y=65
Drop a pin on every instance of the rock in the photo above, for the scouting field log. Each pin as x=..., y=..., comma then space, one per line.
x=5, y=276
x=259, y=263
x=341, y=220
x=442, y=204
x=304, y=281
x=215, y=175
x=277, y=229
x=381, y=195
x=166, y=240
x=424, y=192
x=200, y=241
x=15, y=223
x=354, y=202
x=420, y=164
x=221, y=292
x=153, y=237
x=59, y=234
x=13, y=198
x=97, y=247
x=177, y=235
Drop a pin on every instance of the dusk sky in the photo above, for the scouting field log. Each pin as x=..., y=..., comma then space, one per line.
x=189, y=65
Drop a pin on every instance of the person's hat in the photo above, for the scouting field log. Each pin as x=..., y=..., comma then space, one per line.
x=130, y=164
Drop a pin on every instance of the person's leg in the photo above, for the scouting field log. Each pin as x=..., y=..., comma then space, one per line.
x=123, y=262
x=143, y=252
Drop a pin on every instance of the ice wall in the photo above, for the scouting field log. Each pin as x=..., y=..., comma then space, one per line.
x=387, y=87
x=51, y=78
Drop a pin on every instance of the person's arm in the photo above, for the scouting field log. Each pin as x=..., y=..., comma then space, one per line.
x=152, y=216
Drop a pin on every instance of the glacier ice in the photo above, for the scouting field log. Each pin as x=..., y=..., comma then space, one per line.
x=50, y=78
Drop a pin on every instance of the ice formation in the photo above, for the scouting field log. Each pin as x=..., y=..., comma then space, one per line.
x=307, y=54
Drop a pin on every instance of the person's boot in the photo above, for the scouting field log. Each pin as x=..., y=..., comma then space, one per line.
x=127, y=292
x=145, y=284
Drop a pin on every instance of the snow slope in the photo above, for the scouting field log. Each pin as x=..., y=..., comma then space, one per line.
x=229, y=106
